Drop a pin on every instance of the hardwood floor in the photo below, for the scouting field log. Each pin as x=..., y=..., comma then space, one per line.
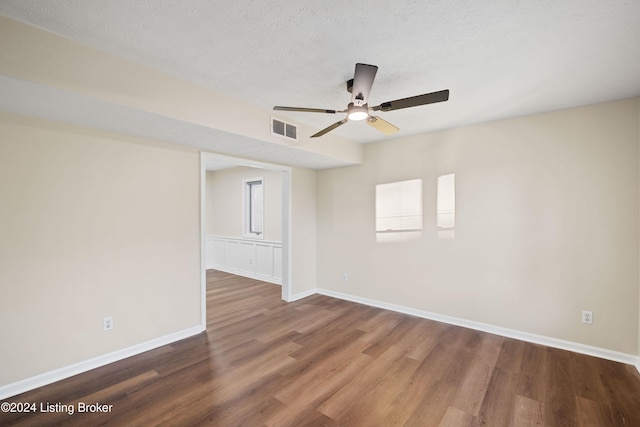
x=326, y=362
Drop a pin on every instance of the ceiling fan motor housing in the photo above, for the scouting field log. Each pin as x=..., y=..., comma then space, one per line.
x=359, y=98
x=357, y=112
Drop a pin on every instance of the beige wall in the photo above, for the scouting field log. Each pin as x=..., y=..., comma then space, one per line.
x=224, y=202
x=303, y=230
x=35, y=55
x=92, y=226
x=547, y=225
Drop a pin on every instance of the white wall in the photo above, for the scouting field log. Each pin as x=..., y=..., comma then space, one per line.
x=224, y=202
x=547, y=225
x=92, y=226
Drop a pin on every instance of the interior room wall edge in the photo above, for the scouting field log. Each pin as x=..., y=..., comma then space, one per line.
x=602, y=353
x=50, y=377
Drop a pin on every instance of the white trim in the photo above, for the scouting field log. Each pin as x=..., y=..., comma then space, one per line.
x=287, y=280
x=46, y=378
x=203, y=260
x=247, y=209
x=242, y=239
x=238, y=161
x=497, y=330
x=249, y=275
x=302, y=295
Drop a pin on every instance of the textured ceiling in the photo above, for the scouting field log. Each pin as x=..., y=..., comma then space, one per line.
x=499, y=58
x=29, y=99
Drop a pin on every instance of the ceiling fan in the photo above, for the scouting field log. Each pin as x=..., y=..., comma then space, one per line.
x=358, y=108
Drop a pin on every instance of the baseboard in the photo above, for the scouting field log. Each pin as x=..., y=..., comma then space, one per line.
x=40, y=380
x=496, y=330
x=302, y=295
x=244, y=273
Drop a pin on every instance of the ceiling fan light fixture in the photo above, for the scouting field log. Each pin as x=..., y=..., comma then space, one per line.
x=358, y=110
x=356, y=113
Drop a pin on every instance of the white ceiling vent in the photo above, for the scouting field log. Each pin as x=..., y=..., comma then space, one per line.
x=282, y=128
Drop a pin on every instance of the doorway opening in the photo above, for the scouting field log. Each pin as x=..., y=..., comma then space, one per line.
x=213, y=162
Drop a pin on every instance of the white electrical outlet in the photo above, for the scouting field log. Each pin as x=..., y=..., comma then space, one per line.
x=107, y=323
x=587, y=317
x=345, y=276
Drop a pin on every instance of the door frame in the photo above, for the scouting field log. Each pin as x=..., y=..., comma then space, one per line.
x=208, y=158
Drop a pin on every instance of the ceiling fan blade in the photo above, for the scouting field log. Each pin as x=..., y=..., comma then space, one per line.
x=362, y=83
x=414, y=101
x=330, y=128
x=304, y=110
x=382, y=125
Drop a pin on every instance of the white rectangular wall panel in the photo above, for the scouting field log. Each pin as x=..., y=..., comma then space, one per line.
x=264, y=260
x=209, y=248
x=245, y=257
x=277, y=263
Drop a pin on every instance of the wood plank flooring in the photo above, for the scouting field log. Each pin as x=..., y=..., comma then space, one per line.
x=326, y=362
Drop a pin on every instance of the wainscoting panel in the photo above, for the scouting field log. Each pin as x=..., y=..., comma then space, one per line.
x=264, y=259
x=208, y=253
x=277, y=262
x=257, y=259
